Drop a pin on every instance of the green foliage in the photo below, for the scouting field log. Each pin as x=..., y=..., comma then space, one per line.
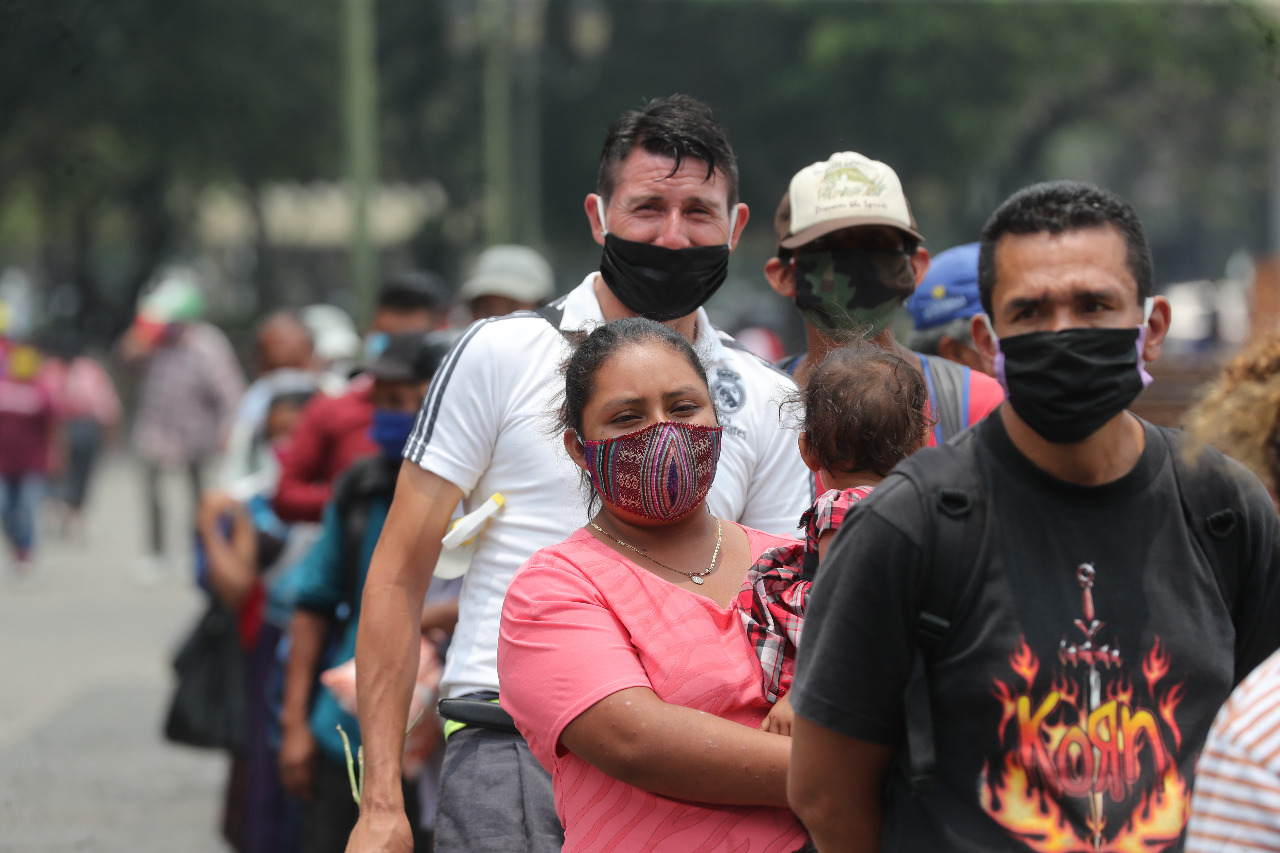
x=113, y=114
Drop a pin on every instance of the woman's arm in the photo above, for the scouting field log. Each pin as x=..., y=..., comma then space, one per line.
x=232, y=560
x=679, y=752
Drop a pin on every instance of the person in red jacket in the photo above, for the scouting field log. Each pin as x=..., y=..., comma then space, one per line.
x=333, y=431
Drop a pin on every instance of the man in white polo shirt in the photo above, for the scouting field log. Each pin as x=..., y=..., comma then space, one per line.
x=666, y=212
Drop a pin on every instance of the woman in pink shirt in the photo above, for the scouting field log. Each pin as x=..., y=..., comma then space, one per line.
x=620, y=656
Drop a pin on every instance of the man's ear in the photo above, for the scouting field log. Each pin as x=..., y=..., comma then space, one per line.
x=1157, y=328
x=577, y=452
x=984, y=343
x=781, y=277
x=920, y=263
x=953, y=350
x=741, y=222
x=593, y=216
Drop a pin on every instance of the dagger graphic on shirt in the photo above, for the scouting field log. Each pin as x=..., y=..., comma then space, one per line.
x=1090, y=654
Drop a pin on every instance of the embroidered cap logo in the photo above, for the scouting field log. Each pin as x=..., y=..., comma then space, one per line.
x=660, y=472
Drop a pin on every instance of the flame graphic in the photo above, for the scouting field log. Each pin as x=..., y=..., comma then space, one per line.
x=1008, y=704
x=1024, y=662
x=1069, y=688
x=1027, y=814
x=1168, y=704
x=1121, y=690
x=1159, y=820
x=1069, y=755
x=1035, y=819
x=1156, y=665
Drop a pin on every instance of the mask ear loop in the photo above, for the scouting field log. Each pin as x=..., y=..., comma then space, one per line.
x=990, y=329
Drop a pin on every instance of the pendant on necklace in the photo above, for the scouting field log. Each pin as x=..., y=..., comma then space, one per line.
x=696, y=580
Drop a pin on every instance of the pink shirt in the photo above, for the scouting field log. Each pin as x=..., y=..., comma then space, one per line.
x=581, y=622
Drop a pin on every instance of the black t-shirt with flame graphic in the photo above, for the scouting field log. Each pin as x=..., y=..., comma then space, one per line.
x=1091, y=652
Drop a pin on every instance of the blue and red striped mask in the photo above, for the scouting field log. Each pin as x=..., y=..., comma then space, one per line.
x=660, y=472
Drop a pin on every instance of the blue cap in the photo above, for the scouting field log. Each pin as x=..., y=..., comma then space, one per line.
x=949, y=290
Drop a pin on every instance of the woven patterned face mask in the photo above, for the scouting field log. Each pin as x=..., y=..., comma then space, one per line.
x=660, y=472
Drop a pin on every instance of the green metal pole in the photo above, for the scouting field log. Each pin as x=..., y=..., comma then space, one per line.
x=362, y=147
x=499, y=148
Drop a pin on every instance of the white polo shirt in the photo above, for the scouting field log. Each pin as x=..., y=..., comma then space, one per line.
x=488, y=425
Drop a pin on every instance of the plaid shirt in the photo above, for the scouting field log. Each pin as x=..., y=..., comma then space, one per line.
x=189, y=392
x=773, y=597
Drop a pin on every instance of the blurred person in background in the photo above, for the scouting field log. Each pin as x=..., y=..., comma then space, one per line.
x=849, y=255
x=244, y=556
x=1239, y=413
x=330, y=584
x=30, y=452
x=334, y=430
x=190, y=386
x=337, y=344
x=89, y=408
x=285, y=364
x=506, y=279
x=943, y=306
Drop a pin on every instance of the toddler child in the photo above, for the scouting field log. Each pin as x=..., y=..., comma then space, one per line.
x=863, y=414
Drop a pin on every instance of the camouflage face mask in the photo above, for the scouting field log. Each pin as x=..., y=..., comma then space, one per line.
x=852, y=291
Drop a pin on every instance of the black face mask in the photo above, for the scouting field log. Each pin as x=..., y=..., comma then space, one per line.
x=662, y=284
x=1067, y=384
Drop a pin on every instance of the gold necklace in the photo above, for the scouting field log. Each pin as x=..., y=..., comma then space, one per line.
x=696, y=577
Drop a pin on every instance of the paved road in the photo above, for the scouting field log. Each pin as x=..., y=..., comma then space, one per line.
x=84, y=682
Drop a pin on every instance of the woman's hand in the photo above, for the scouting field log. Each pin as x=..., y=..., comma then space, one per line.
x=780, y=718
x=679, y=752
x=297, y=759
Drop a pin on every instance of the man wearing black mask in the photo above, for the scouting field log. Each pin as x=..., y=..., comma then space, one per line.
x=849, y=255
x=1020, y=640
x=666, y=213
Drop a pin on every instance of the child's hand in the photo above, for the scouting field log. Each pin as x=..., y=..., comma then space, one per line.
x=780, y=718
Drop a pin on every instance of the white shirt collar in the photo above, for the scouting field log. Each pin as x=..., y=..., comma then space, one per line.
x=582, y=312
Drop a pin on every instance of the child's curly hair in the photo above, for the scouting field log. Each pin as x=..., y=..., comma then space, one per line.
x=864, y=409
x=1240, y=412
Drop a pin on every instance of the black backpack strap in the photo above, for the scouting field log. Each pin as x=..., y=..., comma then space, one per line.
x=951, y=495
x=1208, y=497
x=353, y=496
x=948, y=390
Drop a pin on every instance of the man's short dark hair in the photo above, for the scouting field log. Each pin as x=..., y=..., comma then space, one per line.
x=1056, y=207
x=413, y=290
x=677, y=126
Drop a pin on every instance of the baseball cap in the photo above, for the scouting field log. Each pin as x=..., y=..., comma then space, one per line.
x=410, y=357
x=844, y=191
x=516, y=272
x=949, y=290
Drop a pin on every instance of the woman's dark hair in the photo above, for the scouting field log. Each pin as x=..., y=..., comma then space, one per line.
x=864, y=409
x=596, y=348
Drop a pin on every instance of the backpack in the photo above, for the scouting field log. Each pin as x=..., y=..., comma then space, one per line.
x=368, y=479
x=952, y=498
x=948, y=385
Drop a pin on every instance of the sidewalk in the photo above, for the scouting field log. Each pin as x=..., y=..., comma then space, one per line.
x=84, y=684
